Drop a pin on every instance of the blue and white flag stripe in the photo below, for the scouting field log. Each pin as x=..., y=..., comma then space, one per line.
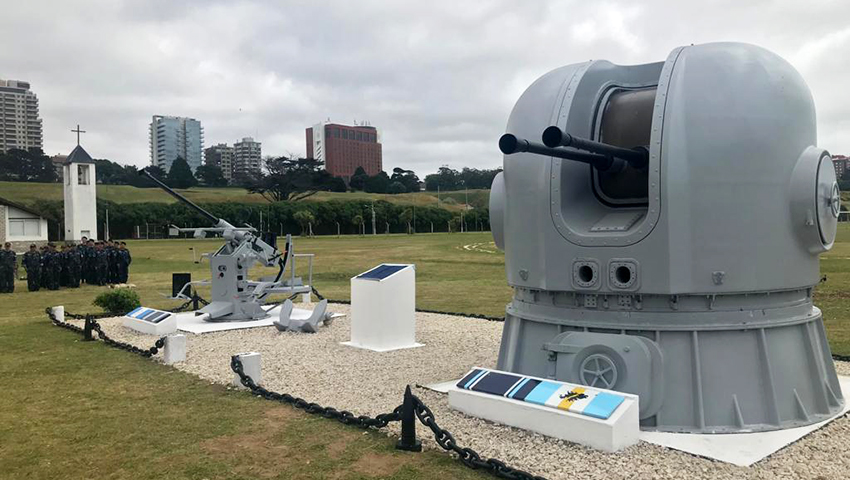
x=151, y=315
x=550, y=393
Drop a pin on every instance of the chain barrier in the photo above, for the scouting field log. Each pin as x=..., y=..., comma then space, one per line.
x=147, y=353
x=467, y=456
x=444, y=438
x=91, y=325
x=343, y=416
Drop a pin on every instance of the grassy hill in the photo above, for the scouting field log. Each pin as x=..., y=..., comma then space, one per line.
x=26, y=193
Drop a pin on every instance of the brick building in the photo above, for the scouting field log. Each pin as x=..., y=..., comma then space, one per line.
x=343, y=148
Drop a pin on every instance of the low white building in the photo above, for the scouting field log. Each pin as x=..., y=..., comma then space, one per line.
x=21, y=225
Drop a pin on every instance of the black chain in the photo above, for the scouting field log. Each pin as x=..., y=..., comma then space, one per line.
x=342, y=416
x=69, y=326
x=126, y=346
x=468, y=456
x=109, y=341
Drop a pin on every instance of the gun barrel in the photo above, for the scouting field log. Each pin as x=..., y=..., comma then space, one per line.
x=176, y=195
x=510, y=144
x=555, y=137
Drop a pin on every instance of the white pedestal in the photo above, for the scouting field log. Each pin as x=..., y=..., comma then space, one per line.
x=175, y=349
x=618, y=431
x=251, y=366
x=151, y=321
x=59, y=313
x=383, y=308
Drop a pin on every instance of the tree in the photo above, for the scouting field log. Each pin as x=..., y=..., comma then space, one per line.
x=27, y=166
x=396, y=187
x=378, y=183
x=211, y=176
x=407, y=178
x=180, y=175
x=358, y=180
x=337, y=184
x=291, y=179
x=304, y=218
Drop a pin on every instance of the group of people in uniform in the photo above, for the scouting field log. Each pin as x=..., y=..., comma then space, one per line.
x=91, y=262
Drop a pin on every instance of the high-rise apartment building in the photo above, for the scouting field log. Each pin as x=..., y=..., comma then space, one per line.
x=841, y=164
x=20, y=125
x=221, y=156
x=343, y=148
x=172, y=137
x=247, y=158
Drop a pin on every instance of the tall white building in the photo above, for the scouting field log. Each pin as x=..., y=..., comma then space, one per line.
x=20, y=125
x=172, y=137
x=221, y=156
x=247, y=158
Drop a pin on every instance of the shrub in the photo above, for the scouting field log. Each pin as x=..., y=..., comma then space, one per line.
x=118, y=301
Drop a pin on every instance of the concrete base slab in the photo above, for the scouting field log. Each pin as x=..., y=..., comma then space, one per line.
x=381, y=350
x=441, y=387
x=742, y=449
x=189, y=322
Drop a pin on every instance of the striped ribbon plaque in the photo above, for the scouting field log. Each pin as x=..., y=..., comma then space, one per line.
x=549, y=393
x=150, y=315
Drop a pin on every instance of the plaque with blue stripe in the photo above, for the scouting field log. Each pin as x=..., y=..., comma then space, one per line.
x=150, y=315
x=549, y=393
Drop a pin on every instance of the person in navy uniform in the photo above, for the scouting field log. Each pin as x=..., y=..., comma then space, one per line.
x=8, y=266
x=124, y=261
x=32, y=263
x=54, y=267
x=82, y=250
x=73, y=264
x=91, y=263
x=43, y=278
x=101, y=264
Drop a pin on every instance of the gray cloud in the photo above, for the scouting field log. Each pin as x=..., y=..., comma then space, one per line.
x=439, y=78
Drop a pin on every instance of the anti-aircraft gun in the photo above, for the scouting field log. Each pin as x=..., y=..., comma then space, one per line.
x=234, y=296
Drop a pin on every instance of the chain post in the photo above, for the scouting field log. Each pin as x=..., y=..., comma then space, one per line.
x=87, y=329
x=408, y=441
x=195, y=298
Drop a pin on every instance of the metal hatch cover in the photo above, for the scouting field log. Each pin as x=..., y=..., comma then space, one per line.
x=828, y=200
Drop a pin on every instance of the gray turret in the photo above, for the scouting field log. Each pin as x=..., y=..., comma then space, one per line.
x=662, y=238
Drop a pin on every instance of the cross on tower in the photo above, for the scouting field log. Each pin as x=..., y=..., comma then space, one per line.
x=78, y=131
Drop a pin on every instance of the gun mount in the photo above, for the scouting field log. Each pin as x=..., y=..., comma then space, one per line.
x=234, y=295
x=677, y=267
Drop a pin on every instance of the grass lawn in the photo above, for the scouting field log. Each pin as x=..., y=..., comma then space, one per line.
x=26, y=192
x=83, y=410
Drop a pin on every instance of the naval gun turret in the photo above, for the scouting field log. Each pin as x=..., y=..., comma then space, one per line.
x=234, y=296
x=661, y=226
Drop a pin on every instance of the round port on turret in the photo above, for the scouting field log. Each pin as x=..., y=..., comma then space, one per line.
x=585, y=274
x=623, y=274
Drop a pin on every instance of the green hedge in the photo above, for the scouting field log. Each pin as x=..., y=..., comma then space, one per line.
x=124, y=218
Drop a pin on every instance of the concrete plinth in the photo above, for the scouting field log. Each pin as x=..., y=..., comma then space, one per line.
x=251, y=366
x=175, y=349
x=59, y=313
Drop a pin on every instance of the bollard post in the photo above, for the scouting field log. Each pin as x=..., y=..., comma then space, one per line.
x=87, y=329
x=195, y=298
x=175, y=349
x=251, y=367
x=408, y=440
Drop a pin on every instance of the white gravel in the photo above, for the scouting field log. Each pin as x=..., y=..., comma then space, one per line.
x=317, y=368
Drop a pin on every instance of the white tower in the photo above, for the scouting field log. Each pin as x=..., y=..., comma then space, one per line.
x=80, y=196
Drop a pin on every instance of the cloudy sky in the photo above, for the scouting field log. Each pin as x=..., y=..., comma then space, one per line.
x=438, y=78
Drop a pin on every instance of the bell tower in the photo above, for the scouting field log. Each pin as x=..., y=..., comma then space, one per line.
x=80, y=195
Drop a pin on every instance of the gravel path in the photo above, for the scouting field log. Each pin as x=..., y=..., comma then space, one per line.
x=319, y=369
